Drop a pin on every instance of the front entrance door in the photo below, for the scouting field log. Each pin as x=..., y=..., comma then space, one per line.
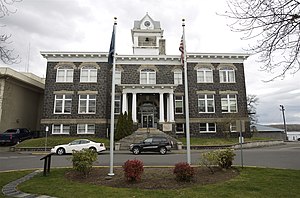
x=147, y=121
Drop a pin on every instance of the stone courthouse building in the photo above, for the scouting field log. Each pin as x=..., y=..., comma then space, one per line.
x=149, y=86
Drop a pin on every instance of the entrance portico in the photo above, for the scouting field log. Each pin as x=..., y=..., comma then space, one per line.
x=149, y=104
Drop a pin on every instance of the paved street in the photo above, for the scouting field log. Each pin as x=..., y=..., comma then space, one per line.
x=284, y=156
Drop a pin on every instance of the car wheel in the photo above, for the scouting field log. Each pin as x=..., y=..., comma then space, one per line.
x=136, y=150
x=93, y=149
x=162, y=150
x=60, y=151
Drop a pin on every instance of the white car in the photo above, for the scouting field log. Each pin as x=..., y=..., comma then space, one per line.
x=78, y=145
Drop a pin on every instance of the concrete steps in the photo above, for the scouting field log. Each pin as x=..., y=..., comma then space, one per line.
x=141, y=134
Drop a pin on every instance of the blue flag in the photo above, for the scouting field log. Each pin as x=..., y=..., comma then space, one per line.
x=112, y=48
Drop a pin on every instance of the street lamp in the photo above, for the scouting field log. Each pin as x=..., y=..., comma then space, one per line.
x=284, y=123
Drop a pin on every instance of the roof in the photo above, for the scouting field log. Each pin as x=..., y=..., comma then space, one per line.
x=263, y=128
x=27, y=78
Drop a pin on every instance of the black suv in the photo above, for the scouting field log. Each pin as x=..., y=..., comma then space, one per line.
x=152, y=144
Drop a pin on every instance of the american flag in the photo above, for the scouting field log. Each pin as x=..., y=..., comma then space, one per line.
x=181, y=49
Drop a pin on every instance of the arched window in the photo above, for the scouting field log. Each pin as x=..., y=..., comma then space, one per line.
x=227, y=75
x=88, y=74
x=204, y=75
x=147, y=76
x=64, y=74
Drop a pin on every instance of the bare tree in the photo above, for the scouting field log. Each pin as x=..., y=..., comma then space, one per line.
x=7, y=55
x=252, y=102
x=275, y=24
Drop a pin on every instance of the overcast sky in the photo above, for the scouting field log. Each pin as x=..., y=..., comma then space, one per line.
x=86, y=25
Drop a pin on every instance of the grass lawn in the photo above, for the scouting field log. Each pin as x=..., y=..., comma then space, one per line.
x=252, y=182
x=56, y=140
x=218, y=141
x=6, y=177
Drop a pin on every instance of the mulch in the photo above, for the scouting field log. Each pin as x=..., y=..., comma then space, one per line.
x=152, y=178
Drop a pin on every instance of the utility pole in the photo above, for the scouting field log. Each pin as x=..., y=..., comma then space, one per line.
x=284, y=123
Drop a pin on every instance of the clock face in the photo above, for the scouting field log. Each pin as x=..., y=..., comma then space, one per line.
x=147, y=23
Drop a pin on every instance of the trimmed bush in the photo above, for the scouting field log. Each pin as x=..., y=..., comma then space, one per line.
x=225, y=158
x=209, y=159
x=133, y=170
x=83, y=161
x=183, y=172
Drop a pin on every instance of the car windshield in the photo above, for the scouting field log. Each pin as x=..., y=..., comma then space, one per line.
x=11, y=131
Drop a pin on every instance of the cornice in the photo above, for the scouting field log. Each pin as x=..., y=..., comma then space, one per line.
x=53, y=56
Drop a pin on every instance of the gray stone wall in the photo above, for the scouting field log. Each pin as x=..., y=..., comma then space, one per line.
x=131, y=75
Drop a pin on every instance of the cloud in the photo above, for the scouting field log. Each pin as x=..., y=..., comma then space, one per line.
x=76, y=25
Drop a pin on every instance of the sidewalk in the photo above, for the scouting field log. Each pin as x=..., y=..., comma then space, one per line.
x=10, y=189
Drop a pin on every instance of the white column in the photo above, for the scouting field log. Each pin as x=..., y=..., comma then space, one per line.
x=171, y=107
x=124, y=103
x=161, y=107
x=168, y=109
x=134, y=107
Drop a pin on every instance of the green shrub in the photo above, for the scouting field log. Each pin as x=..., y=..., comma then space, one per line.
x=209, y=159
x=183, y=171
x=133, y=170
x=83, y=160
x=225, y=158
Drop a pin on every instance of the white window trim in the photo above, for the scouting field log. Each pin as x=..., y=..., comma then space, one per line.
x=227, y=74
x=118, y=77
x=65, y=75
x=63, y=104
x=181, y=132
x=178, y=81
x=87, y=104
x=205, y=71
x=89, y=75
x=147, y=77
x=179, y=113
x=206, y=103
x=61, y=129
x=86, y=129
x=228, y=104
x=233, y=131
x=207, y=128
x=119, y=101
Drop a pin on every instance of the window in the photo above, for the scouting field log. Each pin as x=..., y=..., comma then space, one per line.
x=88, y=74
x=62, y=104
x=85, y=129
x=229, y=103
x=204, y=75
x=64, y=75
x=117, y=104
x=206, y=103
x=179, y=128
x=118, y=77
x=207, y=127
x=227, y=75
x=60, y=129
x=178, y=104
x=233, y=127
x=178, y=77
x=87, y=104
x=147, y=77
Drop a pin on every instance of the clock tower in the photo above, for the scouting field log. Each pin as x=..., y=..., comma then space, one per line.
x=147, y=37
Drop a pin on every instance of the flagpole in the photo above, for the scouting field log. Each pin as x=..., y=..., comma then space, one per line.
x=186, y=94
x=112, y=110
